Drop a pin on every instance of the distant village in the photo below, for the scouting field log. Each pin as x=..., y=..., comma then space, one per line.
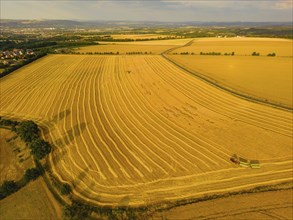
x=13, y=57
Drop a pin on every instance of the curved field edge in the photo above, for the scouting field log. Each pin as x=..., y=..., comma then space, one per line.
x=228, y=89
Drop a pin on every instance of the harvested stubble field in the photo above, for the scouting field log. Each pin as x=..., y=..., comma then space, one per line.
x=265, y=78
x=33, y=201
x=14, y=156
x=135, y=130
x=262, y=205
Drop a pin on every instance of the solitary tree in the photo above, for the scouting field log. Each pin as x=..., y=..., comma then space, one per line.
x=255, y=54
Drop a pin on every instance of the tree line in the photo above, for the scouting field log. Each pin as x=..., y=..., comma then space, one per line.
x=225, y=54
x=29, y=132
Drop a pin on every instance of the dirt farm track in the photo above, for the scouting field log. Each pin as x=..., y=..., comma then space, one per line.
x=134, y=130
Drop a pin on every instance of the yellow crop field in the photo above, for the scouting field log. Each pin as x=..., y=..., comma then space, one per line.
x=135, y=130
x=172, y=42
x=34, y=201
x=14, y=156
x=123, y=49
x=245, y=206
x=267, y=78
x=241, y=46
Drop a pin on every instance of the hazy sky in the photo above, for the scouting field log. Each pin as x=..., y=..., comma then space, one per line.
x=150, y=10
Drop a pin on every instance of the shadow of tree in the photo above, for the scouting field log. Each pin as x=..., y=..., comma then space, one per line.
x=59, y=116
x=56, y=159
x=80, y=177
x=69, y=135
x=74, y=132
x=50, y=123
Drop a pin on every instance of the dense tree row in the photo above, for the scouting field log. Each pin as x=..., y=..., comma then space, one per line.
x=219, y=54
x=110, y=53
x=29, y=132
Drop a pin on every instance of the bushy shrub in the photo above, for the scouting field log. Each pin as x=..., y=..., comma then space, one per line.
x=76, y=211
x=8, y=122
x=28, y=131
x=65, y=189
x=255, y=54
x=40, y=148
x=211, y=53
x=32, y=174
x=7, y=188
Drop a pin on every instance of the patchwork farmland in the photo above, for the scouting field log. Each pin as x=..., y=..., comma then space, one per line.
x=135, y=130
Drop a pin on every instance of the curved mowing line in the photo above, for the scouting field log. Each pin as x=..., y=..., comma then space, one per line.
x=91, y=188
x=118, y=121
x=93, y=143
x=27, y=82
x=110, y=125
x=101, y=113
x=70, y=68
x=277, y=171
x=173, y=128
x=149, y=121
x=131, y=111
x=15, y=84
x=94, y=74
x=191, y=137
x=221, y=150
x=14, y=96
x=103, y=140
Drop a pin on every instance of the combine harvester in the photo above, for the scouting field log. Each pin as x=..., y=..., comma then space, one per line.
x=255, y=164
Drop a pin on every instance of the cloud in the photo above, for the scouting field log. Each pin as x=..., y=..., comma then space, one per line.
x=231, y=4
x=284, y=4
x=151, y=10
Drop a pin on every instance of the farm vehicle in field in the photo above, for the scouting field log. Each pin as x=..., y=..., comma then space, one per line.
x=245, y=162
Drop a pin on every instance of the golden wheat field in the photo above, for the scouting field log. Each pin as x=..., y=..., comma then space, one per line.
x=135, y=130
x=245, y=206
x=267, y=78
x=243, y=46
x=123, y=49
x=34, y=201
x=262, y=77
